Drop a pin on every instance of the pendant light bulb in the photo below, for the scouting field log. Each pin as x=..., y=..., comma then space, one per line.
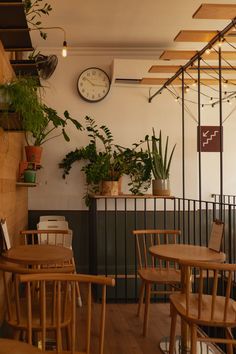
x=64, y=50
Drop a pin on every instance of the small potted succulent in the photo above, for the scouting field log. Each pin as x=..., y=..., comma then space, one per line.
x=160, y=163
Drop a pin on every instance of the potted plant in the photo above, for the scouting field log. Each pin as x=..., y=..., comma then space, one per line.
x=19, y=102
x=35, y=118
x=160, y=163
x=38, y=135
x=104, y=167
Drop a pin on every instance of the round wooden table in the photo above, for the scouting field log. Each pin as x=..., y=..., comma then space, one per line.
x=16, y=347
x=38, y=254
x=177, y=252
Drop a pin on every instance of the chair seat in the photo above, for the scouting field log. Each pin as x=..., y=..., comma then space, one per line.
x=179, y=302
x=160, y=275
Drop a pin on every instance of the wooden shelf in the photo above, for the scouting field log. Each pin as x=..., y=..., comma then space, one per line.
x=25, y=184
x=216, y=11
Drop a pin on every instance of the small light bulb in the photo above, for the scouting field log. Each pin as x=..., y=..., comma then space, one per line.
x=229, y=102
x=208, y=51
x=225, y=83
x=64, y=50
x=176, y=99
x=194, y=83
x=202, y=106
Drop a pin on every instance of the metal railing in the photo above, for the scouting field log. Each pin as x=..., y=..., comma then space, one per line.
x=112, y=245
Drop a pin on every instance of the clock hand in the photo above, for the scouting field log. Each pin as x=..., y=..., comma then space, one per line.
x=89, y=81
x=100, y=85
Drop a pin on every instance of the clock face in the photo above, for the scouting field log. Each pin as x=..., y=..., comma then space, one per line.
x=93, y=84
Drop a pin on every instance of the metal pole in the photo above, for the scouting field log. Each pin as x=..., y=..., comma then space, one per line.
x=221, y=132
x=183, y=153
x=199, y=148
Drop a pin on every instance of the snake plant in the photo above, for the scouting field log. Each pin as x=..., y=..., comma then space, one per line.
x=160, y=162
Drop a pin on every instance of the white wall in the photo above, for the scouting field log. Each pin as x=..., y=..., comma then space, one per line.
x=130, y=117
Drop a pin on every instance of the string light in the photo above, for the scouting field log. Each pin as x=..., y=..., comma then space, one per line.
x=208, y=51
x=225, y=83
x=177, y=99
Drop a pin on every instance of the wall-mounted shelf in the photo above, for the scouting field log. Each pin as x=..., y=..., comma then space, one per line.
x=25, y=184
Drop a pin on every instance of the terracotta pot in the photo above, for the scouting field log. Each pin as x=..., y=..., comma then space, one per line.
x=161, y=187
x=110, y=188
x=33, y=153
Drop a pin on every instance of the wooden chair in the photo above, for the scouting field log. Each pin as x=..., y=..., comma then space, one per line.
x=52, y=218
x=58, y=311
x=15, y=300
x=153, y=271
x=53, y=236
x=210, y=307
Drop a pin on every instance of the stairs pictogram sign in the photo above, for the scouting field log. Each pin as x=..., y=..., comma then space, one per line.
x=209, y=138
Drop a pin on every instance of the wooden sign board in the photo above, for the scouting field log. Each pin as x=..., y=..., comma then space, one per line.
x=209, y=138
x=216, y=236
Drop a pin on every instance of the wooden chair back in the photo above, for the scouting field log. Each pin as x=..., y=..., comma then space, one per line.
x=147, y=238
x=55, y=225
x=216, y=236
x=217, y=294
x=57, y=308
x=56, y=237
x=14, y=297
x=52, y=218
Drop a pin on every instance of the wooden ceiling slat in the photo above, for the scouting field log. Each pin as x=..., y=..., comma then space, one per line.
x=158, y=69
x=163, y=69
x=177, y=54
x=195, y=36
x=216, y=11
x=178, y=82
x=188, y=54
x=202, y=36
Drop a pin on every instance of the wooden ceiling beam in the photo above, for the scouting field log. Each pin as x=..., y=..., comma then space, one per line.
x=216, y=11
x=178, y=82
x=202, y=36
x=188, y=54
x=158, y=69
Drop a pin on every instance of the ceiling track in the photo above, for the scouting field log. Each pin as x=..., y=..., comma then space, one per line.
x=197, y=56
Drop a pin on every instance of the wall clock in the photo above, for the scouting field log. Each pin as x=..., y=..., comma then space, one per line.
x=93, y=84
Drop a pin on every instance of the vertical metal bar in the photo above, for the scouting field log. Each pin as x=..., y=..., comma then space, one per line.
x=126, y=278
x=116, y=258
x=105, y=235
x=230, y=249
x=183, y=153
x=194, y=222
x=175, y=214
x=165, y=216
x=207, y=222
x=221, y=132
x=188, y=232
x=93, y=266
x=155, y=212
x=199, y=145
x=145, y=213
x=135, y=226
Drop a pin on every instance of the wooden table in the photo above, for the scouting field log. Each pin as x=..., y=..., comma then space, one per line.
x=173, y=252
x=16, y=347
x=38, y=254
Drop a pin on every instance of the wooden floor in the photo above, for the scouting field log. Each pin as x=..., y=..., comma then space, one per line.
x=124, y=329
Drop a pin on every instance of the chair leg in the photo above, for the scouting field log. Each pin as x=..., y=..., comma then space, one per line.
x=173, y=314
x=146, y=311
x=229, y=346
x=193, y=329
x=141, y=295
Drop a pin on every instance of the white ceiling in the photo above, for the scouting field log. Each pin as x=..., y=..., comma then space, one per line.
x=137, y=27
x=123, y=23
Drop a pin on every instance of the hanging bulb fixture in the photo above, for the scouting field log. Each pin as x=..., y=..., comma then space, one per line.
x=64, y=49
